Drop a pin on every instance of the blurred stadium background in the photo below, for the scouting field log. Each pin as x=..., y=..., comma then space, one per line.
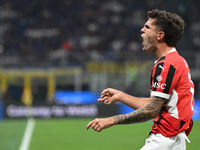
x=57, y=56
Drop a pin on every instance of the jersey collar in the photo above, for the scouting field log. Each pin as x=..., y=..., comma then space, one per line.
x=172, y=50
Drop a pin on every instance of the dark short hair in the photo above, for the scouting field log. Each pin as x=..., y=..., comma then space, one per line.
x=170, y=23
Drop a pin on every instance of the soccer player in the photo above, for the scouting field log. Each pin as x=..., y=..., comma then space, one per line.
x=171, y=102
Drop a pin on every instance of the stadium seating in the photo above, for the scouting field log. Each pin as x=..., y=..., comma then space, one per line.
x=54, y=33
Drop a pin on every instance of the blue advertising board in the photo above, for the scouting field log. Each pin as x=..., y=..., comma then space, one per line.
x=76, y=97
x=196, y=115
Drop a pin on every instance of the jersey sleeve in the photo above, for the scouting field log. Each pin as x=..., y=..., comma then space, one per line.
x=163, y=80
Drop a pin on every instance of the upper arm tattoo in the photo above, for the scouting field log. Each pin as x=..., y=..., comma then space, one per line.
x=144, y=113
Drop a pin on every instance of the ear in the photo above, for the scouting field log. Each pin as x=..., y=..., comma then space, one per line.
x=160, y=35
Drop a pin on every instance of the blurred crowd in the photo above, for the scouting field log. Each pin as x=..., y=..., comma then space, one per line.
x=71, y=32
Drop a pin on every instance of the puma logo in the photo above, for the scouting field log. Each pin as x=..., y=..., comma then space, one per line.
x=163, y=68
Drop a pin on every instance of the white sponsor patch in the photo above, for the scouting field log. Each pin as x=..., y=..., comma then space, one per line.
x=159, y=85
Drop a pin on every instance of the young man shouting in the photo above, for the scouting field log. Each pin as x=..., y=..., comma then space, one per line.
x=171, y=101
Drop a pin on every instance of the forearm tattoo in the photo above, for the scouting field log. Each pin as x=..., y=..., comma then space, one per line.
x=145, y=113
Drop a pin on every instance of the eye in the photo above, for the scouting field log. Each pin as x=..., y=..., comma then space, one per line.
x=146, y=26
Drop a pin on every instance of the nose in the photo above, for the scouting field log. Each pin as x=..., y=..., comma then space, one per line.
x=142, y=30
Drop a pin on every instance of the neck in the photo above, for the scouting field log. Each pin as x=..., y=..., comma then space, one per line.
x=162, y=50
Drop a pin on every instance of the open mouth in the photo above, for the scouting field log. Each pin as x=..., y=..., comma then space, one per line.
x=142, y=40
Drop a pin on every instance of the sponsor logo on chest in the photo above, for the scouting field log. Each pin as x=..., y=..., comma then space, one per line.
x=157, y=84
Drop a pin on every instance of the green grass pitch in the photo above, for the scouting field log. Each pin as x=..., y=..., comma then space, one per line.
x=71, y=134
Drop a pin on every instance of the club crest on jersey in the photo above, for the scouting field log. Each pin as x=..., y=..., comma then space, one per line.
x=159, y=78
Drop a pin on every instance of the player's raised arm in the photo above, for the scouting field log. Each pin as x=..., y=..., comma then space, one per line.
x=110, y=96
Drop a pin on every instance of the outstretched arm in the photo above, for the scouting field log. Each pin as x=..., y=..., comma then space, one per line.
x=144, y=113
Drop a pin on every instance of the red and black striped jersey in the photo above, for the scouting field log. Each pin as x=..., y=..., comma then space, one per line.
x=171, y=79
